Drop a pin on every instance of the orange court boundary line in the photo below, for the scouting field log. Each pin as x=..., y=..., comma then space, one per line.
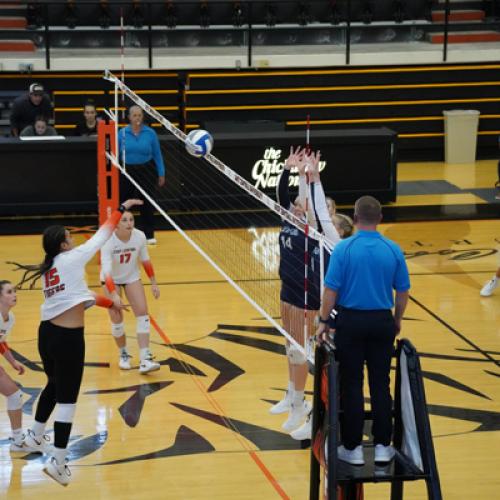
x=216, y=406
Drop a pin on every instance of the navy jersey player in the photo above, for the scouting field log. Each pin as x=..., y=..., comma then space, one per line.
x=295, y=309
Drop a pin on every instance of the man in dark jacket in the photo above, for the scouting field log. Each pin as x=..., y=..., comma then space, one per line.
x=28, y=106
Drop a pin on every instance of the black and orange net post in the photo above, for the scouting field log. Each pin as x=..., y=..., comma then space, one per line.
x=415, y=457
x=325, y=436
x=107, y=175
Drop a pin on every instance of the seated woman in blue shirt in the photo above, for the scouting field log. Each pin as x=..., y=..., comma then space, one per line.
x=139, y=150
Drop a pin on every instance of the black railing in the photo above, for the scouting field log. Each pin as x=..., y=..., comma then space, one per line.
x=244, y=24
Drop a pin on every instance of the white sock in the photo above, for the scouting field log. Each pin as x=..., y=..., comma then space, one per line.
x=59, y=454
x=17, y=435
x=38, y=428
x=298, y=398
x=123, y=350
x=145, y=353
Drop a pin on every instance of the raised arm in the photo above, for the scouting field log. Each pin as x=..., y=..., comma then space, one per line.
x=318, y=202
x=282, y=192
x=304, y=196
x=87, y=250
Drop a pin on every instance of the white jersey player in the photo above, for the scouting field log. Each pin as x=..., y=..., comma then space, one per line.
x=120, y=259
x=8, y=387
x=61, y=343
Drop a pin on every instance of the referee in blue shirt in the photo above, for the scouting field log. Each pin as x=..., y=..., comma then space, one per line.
x=363, y=273
x=139, y=146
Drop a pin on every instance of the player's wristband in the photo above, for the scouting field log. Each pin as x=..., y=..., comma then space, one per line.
x=109, y=283
x=324, y=321
x=3, y=347
x=148, y=267
x=102, y=301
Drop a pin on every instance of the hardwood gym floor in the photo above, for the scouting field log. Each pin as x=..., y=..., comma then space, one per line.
x=200, y=428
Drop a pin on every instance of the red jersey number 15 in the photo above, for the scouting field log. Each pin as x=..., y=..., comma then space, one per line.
x=51, y=278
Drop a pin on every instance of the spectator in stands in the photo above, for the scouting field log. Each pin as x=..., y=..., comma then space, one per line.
x=28, y=107
x=39, y=129
x=139, y=148
x=88, y=126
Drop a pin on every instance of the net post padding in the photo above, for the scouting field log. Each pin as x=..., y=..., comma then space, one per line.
x=107, y=176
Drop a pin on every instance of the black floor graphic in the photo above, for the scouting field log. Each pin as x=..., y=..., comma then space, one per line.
x=32, y=365
x=228, y=371
x=449, y=382
x=132, y=408
x=492, y=373
x=177, y=366
x=187, y=442
x=488, y=420
x=264, y=439
x=266, y=330
x=494, y=353
x=262, y=344
x=37, y=366
x=452, y=357
x=86, y=446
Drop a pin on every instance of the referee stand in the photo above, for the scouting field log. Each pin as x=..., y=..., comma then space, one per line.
x=414, y=459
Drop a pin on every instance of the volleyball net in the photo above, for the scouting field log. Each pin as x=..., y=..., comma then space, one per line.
x=233, y=225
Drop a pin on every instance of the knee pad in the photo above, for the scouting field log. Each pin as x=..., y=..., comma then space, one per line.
x=117, y=330
x=296, y=355
x=65, y=412
x=143, y=324
x=15, y=401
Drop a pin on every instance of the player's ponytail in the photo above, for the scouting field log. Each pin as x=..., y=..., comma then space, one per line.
x=53, y=236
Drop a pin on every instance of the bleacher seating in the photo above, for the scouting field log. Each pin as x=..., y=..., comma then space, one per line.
x=153, y=25
x=407, y=99
x=183, y=23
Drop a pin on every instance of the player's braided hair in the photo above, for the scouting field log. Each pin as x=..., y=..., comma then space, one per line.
x=53, y=236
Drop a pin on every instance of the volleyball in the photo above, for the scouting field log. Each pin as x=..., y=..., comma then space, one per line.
x=199, y=143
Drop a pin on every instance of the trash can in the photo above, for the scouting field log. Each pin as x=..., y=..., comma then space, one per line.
x=460, y=135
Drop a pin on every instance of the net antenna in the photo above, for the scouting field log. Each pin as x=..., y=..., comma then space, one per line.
x=306, y=242
x=122, y=59
x=234, y=182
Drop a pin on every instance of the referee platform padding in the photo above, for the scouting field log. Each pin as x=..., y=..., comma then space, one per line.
x=414, y=459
